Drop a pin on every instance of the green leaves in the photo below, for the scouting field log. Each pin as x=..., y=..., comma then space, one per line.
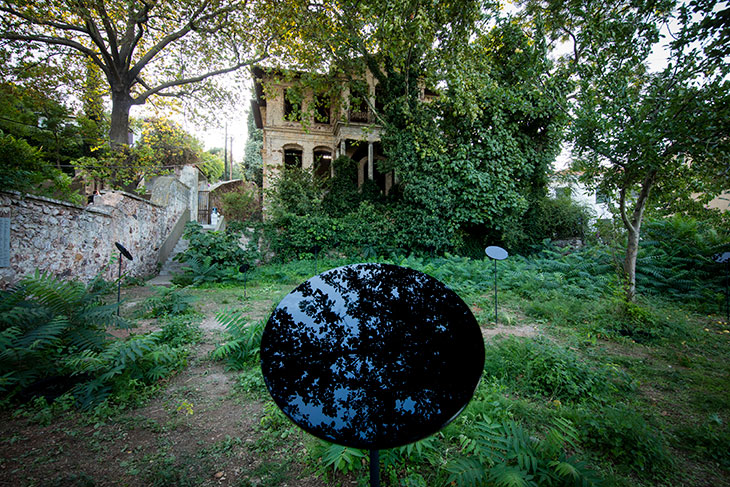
x=244, y=339
x=507, y=455
x=53, y=332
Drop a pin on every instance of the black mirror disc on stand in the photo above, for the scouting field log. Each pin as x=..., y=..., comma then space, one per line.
x=123, y=250
x=372, y=356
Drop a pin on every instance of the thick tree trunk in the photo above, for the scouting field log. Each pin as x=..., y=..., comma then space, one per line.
x=121, y=104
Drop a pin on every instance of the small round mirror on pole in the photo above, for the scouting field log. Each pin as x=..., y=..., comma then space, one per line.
x=122, y=253
x=495, y=253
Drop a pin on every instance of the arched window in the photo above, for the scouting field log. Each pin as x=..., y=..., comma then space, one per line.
x=293, y=157
x=322, y=162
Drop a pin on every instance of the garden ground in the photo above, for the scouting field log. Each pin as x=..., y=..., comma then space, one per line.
x=208, y=425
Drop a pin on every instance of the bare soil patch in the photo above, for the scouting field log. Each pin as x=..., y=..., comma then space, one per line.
x=519, y=331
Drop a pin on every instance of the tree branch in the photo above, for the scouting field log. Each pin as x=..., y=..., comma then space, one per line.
x=622, y=210
x=58, y=41
x=179, y=82
x=111, y=31
x=38, y=21
x=180, y=33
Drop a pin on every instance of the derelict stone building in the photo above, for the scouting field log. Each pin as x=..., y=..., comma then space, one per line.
x=317, y=129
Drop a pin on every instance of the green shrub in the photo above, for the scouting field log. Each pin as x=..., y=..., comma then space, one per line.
x=242, y=347
x=222, y=248
x=168, y=301
x=675, y=260
x=43, y=322
x=553, y=218
x=538, y=366
x=623, y=435
x=179, y=330
x=506, y=454
x=241, y=206
x=23, y=170
x=213, y=256
x=53, y=343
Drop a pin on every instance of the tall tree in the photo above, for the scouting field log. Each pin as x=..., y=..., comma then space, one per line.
x=648, y=138
x=168, y=48
x=252, y=161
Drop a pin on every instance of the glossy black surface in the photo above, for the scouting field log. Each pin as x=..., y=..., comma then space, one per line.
x=372, y=355
x=123, y=250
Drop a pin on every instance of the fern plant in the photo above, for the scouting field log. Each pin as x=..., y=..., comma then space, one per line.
x=43, y=320
x=507, y=455
x=141, y=359
x=244, y=341
x=168, y=301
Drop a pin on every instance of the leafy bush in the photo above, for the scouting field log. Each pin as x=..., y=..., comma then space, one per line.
x=244, y=342
x=213, y=256
x=45, y=320
x=54, y=341
x=506, y=454
x=241, y=206
x=549, y=218
x=625, y=436
x=138, y=360
x=339, y=458
x=24, y=170
x=222, y=248
x=675, y=259
x=540, y=367
x=168, y=301
x=179, y=330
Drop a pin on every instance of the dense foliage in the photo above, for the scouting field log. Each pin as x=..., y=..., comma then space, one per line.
x=336, y=215
x=214, y=256
x=564, y=408
x=163, y=145
x=54, y=342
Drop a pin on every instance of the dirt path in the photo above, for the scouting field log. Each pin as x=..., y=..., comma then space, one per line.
x=198, y=430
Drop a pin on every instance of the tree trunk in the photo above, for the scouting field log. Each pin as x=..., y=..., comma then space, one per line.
x=632, y=250
x=119, y=131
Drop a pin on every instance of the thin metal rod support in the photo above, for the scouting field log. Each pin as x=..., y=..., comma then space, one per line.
x=495, y=292
x=374, y=468
x=727, y=293
x=119, y=284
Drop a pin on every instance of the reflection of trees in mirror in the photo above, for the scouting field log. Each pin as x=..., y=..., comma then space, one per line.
x=372, y=355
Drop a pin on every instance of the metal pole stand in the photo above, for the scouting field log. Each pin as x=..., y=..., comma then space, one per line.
x=119, y=283
x=495, y=292
x=374, y=468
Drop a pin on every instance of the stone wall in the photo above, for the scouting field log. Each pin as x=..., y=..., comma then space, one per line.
x=77, y=243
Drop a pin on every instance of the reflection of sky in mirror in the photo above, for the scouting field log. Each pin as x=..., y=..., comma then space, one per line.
x=372, y=355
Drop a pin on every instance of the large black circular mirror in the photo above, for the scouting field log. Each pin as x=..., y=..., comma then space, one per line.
x=372, y=355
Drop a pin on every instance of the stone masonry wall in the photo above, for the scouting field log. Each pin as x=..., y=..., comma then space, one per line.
x=77, y=243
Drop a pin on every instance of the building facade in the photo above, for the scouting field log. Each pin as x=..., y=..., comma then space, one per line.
x=317, y=128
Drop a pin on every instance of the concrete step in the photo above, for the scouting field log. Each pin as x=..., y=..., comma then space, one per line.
x=170, y=266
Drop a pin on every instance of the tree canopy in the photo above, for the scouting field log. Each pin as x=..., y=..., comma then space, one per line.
x=472, y=162
x=174, y=48
x=653, y=139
